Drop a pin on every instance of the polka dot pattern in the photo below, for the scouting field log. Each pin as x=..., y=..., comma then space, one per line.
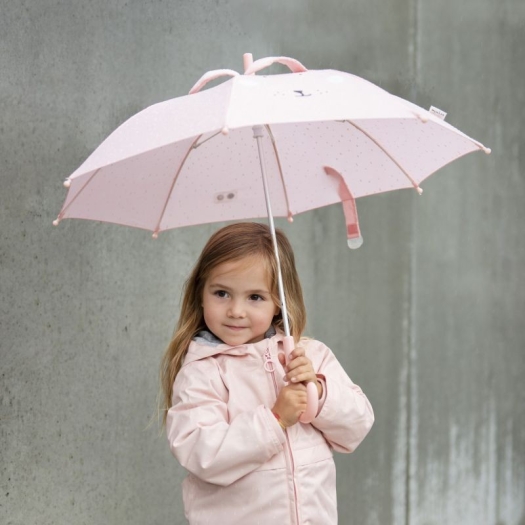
x=171, y=166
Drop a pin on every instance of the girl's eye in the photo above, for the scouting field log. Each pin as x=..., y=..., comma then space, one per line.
x=256, y=297
x=220, y=293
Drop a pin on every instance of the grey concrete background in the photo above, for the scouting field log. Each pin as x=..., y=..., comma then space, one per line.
x=428, y=316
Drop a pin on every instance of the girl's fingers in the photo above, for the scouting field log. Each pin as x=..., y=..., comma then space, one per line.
x=299, y=365
x=300, y=368
x=296, y=388
x=298, y=361
x=301, y=378
x=297, y=352
x=300, y=374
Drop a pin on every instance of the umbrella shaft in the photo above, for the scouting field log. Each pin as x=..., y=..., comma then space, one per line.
x=258, y=135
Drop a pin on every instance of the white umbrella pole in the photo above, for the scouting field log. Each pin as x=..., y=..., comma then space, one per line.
x=258, y=135
x=311, y=389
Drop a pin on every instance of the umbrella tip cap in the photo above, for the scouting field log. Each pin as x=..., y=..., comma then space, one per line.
x=225, y=130
x=290, y=218
x=155, y=235
x=419, y=190
x=422, y=117
x=56, y=222
x=67, y=183
x=488, y=151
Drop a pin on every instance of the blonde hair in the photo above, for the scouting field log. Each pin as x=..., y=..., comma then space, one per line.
x=231, y=243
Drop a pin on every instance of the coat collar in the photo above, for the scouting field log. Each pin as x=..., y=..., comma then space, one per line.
x=205, y=344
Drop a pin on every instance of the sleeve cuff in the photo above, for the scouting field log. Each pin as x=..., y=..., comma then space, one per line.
x=321, y=378
x=277, y=429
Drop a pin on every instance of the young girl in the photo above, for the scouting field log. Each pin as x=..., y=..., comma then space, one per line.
x=232, y=405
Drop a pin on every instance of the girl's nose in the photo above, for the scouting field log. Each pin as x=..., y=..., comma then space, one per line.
x=236, y=310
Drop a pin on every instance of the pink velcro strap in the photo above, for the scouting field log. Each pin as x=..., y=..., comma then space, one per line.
x=353, y=232
x=212, y=75
x=294, y=65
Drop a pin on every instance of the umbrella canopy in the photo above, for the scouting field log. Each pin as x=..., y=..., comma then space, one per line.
x=193, y=160
x=322, y=137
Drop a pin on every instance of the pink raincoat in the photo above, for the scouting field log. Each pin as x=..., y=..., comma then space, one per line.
x=243, y=468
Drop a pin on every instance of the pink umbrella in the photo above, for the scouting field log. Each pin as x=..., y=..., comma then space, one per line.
x=321, y=137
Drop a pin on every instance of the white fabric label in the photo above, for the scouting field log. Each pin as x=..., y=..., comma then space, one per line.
x=437, y=112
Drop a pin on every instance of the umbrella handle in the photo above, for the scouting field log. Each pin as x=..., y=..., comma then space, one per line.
x=312, y=395
x=294, y=65
x=212, y=75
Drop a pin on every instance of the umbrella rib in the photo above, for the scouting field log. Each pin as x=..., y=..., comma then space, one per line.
x=280, y=169
x=388, y=154
x=195, y=145
x=156, y=231
x=65, y=208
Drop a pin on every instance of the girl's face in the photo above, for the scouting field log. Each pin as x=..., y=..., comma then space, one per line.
x=237, y=304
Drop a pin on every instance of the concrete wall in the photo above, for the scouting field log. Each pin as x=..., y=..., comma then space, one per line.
x=427, y=316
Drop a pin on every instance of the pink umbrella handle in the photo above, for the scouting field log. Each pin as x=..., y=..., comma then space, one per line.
x=212, y=75
x=312, y=395
x=294, y=65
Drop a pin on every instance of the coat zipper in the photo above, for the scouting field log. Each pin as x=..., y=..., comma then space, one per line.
x=269, y=367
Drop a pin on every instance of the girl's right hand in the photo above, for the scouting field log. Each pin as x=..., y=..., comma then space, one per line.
x=291, y=403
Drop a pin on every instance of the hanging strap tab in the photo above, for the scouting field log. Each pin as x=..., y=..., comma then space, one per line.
x=353, y=232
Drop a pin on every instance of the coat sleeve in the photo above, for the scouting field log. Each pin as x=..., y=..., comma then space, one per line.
x=346, y=415
x=201, y=435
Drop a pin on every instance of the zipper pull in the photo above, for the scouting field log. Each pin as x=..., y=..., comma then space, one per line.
x=268, y=362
